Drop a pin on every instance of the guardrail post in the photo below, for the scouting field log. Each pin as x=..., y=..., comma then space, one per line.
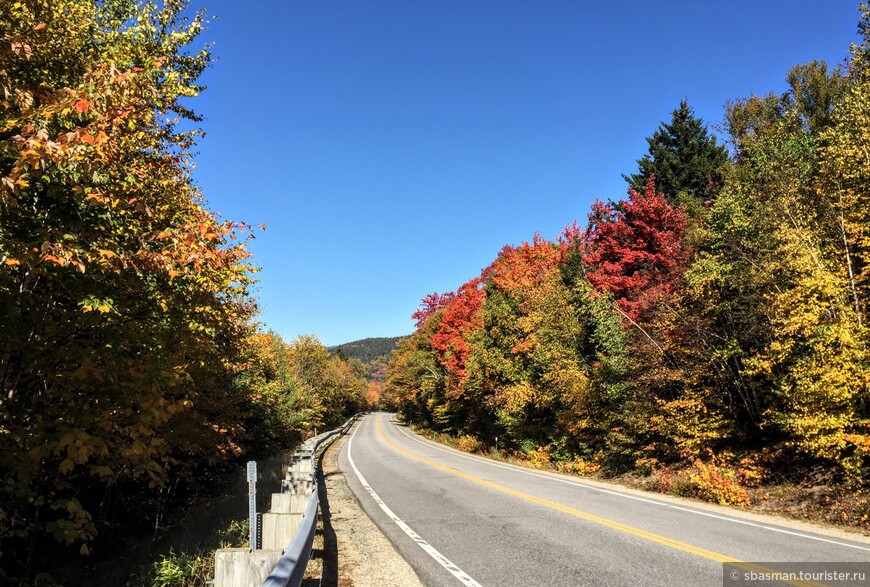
x=240, y=567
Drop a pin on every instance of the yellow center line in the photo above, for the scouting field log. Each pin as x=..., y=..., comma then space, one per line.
x=657, y=538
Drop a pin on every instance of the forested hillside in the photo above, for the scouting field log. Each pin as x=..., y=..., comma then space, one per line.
x=367, y=349
x=374, y=354
x=709, y=330
x=132, y=372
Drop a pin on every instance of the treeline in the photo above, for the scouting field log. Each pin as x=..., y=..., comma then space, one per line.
x=713, y=322
x=299, y=387
x=131, y=368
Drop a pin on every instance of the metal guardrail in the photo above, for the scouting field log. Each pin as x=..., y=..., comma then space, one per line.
x=290, y=568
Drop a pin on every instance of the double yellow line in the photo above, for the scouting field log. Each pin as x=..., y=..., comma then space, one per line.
x=652, y=537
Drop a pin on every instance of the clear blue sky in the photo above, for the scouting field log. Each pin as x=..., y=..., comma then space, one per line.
x=393, y=147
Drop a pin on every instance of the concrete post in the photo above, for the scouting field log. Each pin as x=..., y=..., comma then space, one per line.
x=240, y=567
x=288, y=503
x=278, y=529
x=297, y=486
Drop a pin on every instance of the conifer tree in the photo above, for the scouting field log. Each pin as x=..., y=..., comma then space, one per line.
x=683, y=156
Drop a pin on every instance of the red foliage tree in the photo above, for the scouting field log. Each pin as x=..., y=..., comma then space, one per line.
x=636, y=249
x=431, y=304
x=461, y=317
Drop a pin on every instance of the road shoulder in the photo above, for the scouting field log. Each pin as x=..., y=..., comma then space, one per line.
x=751, y=516
x=365, y=555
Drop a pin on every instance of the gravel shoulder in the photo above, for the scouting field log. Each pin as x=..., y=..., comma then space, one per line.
x=365, y=557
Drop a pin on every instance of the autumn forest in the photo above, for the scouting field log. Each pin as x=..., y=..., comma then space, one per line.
x=708, y=332
x=134, y=374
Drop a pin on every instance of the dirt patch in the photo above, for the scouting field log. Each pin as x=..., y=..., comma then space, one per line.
x=353, y=551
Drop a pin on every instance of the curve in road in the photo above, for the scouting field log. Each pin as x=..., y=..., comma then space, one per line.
x=460, y=518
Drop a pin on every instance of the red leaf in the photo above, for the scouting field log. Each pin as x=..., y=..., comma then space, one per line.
x=81, y=105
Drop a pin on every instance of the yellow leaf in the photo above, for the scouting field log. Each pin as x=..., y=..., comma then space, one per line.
x=12, y=262
x=84, y=550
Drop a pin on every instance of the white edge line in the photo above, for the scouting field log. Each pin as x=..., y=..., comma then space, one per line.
x=463, y=577
x=433, y=445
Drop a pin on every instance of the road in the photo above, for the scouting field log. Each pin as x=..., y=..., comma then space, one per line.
x=460, y=519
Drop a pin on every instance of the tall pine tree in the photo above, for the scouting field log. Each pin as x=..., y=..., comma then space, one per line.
x=684, y=158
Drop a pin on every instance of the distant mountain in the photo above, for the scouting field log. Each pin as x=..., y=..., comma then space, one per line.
x=367, y=350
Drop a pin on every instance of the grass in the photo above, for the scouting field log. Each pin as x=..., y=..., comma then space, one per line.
x=191, y=569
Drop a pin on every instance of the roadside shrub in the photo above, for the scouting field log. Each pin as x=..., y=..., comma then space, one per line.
x=469, y=444
x=180, y=570
x=192, y=569
x=673, y=482
x=750, y=472
x=717, y=481
x=578, y=466
x=539, y=457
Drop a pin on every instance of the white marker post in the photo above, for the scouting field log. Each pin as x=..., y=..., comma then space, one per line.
x=252, y=504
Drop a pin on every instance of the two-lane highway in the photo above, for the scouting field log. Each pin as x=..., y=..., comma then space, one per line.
x=460, y=519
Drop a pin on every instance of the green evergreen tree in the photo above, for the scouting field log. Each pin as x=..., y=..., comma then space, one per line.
x=684, y=158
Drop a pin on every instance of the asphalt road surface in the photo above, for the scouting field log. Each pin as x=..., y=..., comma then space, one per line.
x=460, y=519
